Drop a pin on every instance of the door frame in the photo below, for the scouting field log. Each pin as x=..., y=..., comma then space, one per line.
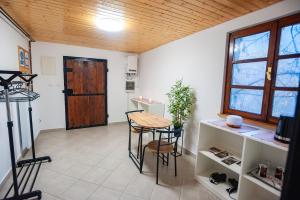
x=65, y=58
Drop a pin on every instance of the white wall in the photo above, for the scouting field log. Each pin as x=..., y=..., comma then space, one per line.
x=10, y=39
x=51, y=104
x=199, y=60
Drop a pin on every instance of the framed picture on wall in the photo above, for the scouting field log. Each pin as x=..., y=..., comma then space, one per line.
x=24, y=60
x=21, y=57
x=27, y=61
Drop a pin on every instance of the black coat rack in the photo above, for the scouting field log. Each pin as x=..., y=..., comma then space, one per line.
x=14, y=91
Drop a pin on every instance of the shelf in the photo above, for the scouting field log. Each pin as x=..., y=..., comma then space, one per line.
x=233, y=167
x=219, y=190
x=273, y=143
x=262, y=185
x=144, y=101
x=145, y=104
x=228, y=130
x=252, y=145
x=253, y=135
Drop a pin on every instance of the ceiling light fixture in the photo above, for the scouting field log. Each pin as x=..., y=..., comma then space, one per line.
x=109, y=24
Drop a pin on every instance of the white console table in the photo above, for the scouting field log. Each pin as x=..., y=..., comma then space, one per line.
x=251, y=147
x=145, y=104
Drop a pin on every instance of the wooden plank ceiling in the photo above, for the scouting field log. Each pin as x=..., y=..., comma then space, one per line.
x=149, y=23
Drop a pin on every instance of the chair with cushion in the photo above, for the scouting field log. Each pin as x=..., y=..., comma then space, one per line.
x=134, y=128
x=165, y=145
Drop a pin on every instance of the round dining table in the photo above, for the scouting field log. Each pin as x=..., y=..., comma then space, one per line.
x=145, y=120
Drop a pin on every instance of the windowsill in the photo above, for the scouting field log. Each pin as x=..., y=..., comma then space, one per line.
x=254, y=122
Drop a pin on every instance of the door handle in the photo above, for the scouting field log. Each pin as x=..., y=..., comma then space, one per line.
x=68, y=91
x=269, y=71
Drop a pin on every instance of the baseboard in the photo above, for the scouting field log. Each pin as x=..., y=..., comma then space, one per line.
x=188, y=152
x=63, y=129
x=116, y=123
x=52, y=130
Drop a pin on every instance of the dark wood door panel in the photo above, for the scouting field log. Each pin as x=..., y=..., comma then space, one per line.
x=86, y=101
x=96, y=77
x=101, y=78
x=97, y=103
x=78, y=114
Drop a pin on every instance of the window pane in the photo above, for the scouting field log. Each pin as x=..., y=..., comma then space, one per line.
x=284, y=103
x=253, y=46
x=290, y=40
x=288, y=72
x=252, y=74
x=246, y=100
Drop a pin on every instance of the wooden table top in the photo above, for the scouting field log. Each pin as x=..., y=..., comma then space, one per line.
x=149, y=120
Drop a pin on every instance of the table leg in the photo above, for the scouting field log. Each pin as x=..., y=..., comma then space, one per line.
x=141, y=148
x=168, y=155
x=129, y=140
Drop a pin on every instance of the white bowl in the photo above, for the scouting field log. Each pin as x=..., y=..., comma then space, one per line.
x=234, y=121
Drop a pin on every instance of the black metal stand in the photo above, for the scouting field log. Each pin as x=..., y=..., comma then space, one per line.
x=28, y=79
x=31, y=166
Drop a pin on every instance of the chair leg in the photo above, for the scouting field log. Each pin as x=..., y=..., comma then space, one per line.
x=139, y=144
x=153, y=135
x=168, y=155
x=142, y=159
x=129, y=142
x=157, y=166
x=175, y=160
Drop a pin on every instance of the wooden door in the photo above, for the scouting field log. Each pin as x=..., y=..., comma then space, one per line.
x=85, y=90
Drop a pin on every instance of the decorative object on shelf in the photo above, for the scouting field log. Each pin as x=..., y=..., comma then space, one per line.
x=234, y=186
x=279, y=173
x=263, y=174
x=284, y=129
x=217, y=178
x=214, y=150
x=227, y=157
x=262, y=170
x=234, y=121
x=181, y=103
x=222, y=154
x=230, y=160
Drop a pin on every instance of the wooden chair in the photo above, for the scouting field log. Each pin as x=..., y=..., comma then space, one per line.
x=167, y=144
x=134, y=128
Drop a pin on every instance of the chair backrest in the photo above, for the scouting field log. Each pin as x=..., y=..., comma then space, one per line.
x=132, y=111
x=170, y=137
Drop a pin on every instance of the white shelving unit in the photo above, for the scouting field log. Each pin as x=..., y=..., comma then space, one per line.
x=147, y=105
x=249, y=147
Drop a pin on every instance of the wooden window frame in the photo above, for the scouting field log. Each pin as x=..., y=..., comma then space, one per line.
x=272, y=59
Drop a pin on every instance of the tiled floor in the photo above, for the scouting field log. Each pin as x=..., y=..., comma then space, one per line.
x=93, y=164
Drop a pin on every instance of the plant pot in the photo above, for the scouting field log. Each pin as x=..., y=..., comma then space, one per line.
x=177, y=127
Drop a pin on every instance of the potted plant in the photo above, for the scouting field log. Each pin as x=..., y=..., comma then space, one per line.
x=181, y=100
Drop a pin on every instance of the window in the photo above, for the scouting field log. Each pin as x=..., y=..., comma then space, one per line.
x=263, y=70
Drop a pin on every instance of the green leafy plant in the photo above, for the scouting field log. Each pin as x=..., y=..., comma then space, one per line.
x=181, y=101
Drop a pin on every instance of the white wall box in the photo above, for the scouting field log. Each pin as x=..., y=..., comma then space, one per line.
x=245, y=146
x=132, y=63
x=153, y=107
